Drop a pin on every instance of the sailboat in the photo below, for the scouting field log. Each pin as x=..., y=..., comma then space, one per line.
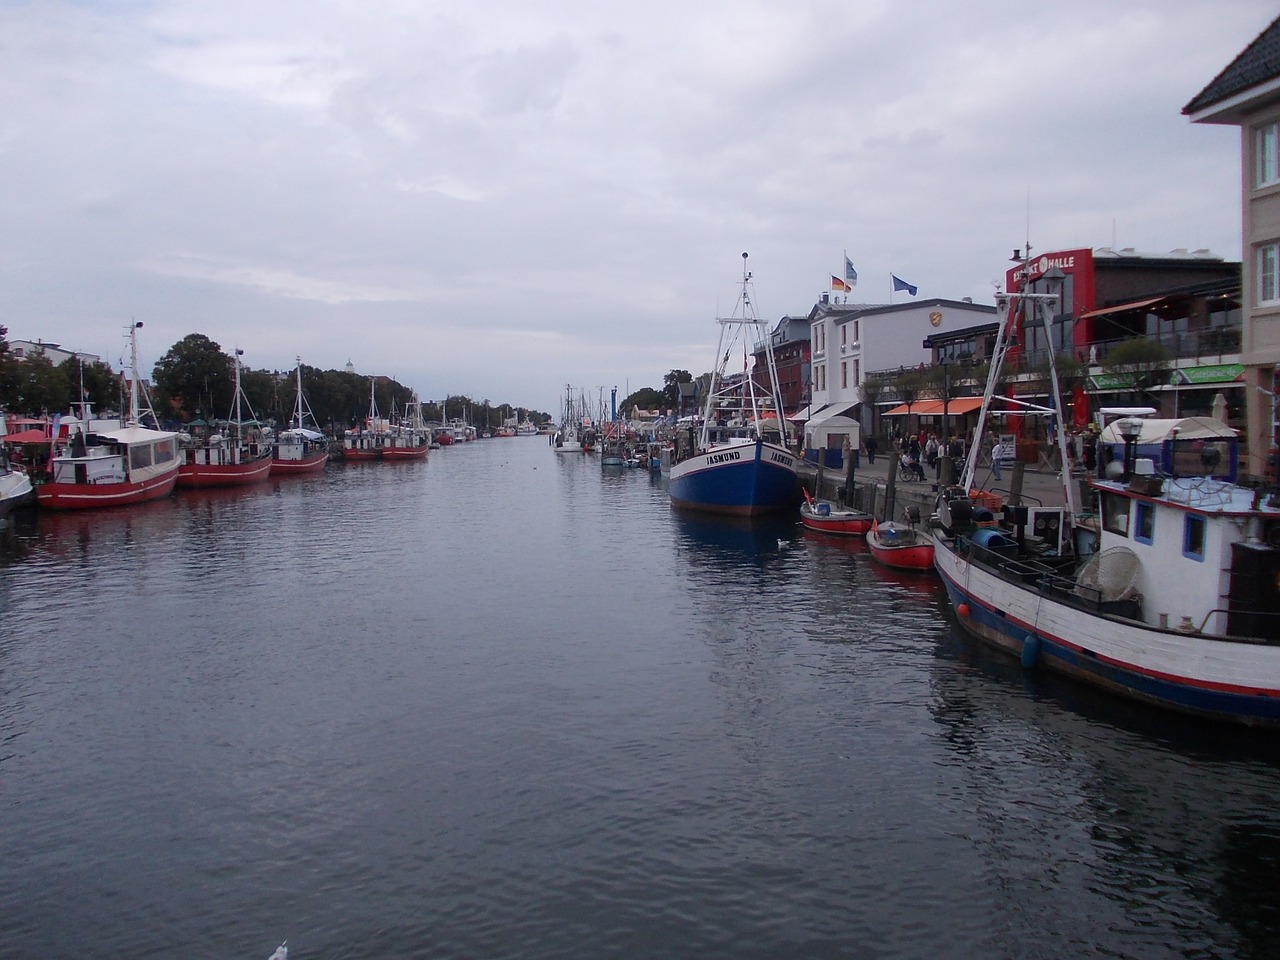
x=737, y=463
x=1166, y=590
x=113, y=467
x=300, y=448
x=235, y=460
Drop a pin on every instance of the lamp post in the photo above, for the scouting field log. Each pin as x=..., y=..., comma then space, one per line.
x=1130, y=429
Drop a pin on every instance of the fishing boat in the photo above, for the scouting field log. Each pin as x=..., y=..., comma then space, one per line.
x=902, y=546
x=737, y=462
x=115, y=467
x=367, y=441
x=827, y=517
x=15, y=487
x=408, y=438
x=1165, y=590
x=568, y=438
x=236, y=459
x=299, y=448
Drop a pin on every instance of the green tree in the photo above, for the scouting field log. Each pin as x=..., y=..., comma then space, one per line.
x=102, y=385
x=39, y=386
x=194, y=378
x=671, y=389
x=646, y=398
x=1141, y=360
x=8, y=372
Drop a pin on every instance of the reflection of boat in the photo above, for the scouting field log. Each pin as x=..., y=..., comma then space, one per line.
x=827, y=517
x=226, y=461
x=113, y=467
x=900, y=545
x=738, y=464
x=1171, y=597
x=731, y=539
x=300, y=448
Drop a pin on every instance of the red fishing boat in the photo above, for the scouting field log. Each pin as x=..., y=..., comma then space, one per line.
x=300, y=449
x=367, y=441
x=110, y=468
x=900, y=545
x=827, y=517
x=409, y=438
x=234, y=460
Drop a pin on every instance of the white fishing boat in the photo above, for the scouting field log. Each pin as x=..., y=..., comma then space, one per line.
x=300, y=448
x=738, y=463
x=113, y=467
x=1166, y=589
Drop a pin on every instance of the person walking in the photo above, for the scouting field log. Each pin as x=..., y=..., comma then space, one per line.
x=997, y=458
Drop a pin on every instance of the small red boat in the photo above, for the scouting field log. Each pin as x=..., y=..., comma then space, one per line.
x=827, y=517
x=900, y=545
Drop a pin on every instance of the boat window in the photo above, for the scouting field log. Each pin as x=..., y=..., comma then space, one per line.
x=166, y=450
x=139, y=456
x=1144, y=524
x=1115, y=514
x=1193, y=531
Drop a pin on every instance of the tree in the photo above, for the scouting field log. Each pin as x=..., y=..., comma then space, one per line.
x=39, y=386
x=909, y=385
x=646, y=398
x=872, y=389
x=7, y=371
x=671, y=389
x=195, y=378
x=101, y=384
x=1141, y=360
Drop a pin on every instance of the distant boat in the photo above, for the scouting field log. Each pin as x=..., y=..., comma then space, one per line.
x=366, y=442
x=113, y=468
x=738, y=463
x=300, y=448
x=409, y=438
x=827, y=517
x=227, y=461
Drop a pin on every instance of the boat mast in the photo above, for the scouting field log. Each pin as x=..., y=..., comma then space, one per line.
x=297, y=406
x=133, y=373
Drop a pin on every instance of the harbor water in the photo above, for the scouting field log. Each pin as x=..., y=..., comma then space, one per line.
x=506, y=704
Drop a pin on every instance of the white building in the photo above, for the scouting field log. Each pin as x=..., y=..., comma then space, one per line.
x=21, y=349
x=848, y=340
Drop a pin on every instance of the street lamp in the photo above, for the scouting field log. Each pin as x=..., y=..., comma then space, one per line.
x=1130, y=429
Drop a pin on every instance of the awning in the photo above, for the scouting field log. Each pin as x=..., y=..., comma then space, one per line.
x=830, y=413
x=805, y=412
x=27, y=436
x=1121, y=308
x=933, y=408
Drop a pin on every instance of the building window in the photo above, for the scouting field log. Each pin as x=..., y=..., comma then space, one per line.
x=1268, y=271
x=844, y=335
x=844, y=375
x=1266, y=155
x=1115, y=514
x=1193, y=537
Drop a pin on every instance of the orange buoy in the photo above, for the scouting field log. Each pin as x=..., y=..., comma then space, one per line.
x=962, y=610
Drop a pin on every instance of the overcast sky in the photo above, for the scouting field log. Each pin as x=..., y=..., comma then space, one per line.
x=500, y=198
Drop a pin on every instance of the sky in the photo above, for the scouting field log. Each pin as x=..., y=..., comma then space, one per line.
x=497, y=199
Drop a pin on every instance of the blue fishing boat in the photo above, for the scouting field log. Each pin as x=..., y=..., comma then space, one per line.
x=735, y=461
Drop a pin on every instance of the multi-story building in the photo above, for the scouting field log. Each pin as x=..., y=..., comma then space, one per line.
x=1247, y=94
x=1188, y=302
x=849, y=340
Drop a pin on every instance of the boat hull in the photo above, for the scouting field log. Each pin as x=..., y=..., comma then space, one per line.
x=848, y=523
x=1190, y=673
x=309, y=463
x=916, y=554
x=90, y=496
x=737, y=479
x=405, y=454
x=15, y=491
x=224, y=474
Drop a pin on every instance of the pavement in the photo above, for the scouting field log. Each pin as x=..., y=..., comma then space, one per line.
x=1039, y=486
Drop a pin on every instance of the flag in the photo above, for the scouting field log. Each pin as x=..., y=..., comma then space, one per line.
x=899, y=284
x=838, y=284
x=850, y=274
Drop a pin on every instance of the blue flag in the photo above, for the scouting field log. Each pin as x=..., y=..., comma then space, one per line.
x=850, y=274
x=899, y=284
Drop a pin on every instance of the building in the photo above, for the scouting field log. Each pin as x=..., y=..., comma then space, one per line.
x=790, y=342
x=1247, y=94
x=847, y=341
x=53, y=352
x=1186, y=301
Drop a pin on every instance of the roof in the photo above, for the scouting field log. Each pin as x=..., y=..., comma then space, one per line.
x=1256, y=65
x=1157, y=431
